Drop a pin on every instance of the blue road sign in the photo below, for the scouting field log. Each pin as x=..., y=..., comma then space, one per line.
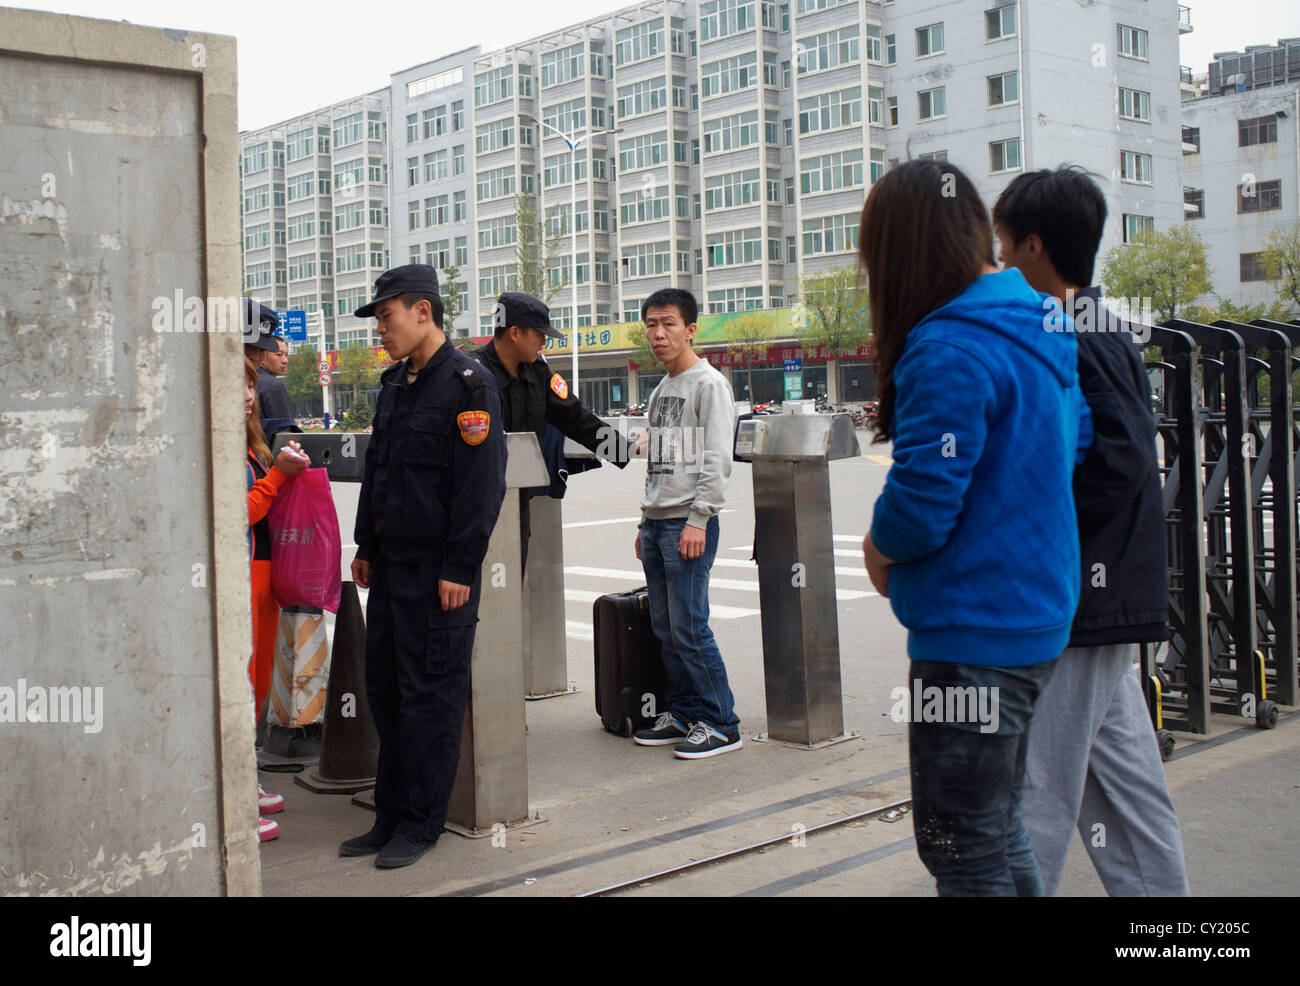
x=793, y=365
x=293, y=323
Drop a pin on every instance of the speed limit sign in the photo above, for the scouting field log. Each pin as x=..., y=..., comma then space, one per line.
x=324, y=379
x=324, y=366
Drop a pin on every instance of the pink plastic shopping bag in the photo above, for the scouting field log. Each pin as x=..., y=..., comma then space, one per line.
x=306, y=549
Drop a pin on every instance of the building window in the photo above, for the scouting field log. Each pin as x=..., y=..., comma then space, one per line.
x=1135, y=167
x=1258, y=130
x=458, y=115
x=931, y=104
x=830, y=110
x=413, y=215
x=631, y=44
x=1134, y=104
x=567, y=63
x=736, y=300
x=873, y=43
x=731, y=132
x=827, y=50
x=1004, y=89
x=727, y=191
x=458, y=160
x=831, y=172
x=1259, y=196
x=1138, y=228
x=458, y=207
x=891, y=111
x=891, y=49
x=933, y=156
x=1193, y=203
x=1132, y=42
x=830, y=234
x=1252, y=267
x=412, y=171
x=1000, y=23
x=1192, y=138
x=877, y=163
x=929, y=40
x=412, y=127
x=1004, y=155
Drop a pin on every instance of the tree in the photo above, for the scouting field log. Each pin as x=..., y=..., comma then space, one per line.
x=1225, y=309
x=358, y=416
x=1281, y=261
x=833, y=313
x=301, y=380
x=748, y=337
x=1168, y=268
x=358, y=367
x=534, y=251
x=453, y=303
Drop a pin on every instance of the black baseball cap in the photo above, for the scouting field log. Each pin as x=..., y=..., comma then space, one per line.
x=407, y=279
x=525, y=311
x=260, y=325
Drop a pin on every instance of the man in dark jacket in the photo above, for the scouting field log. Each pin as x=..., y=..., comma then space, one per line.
x=434, y=482
x=532, y=394
x=1093, y=761
x=270, y=354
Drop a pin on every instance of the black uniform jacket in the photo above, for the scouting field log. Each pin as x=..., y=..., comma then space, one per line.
x=435, y=471
x=273, y=402
x=1125, y=589
x=539, y=396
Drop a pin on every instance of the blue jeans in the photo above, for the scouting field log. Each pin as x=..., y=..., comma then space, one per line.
x=679, y=615
x=967, y=773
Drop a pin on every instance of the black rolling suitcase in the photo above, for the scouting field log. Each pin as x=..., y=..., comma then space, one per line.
x=630, y=679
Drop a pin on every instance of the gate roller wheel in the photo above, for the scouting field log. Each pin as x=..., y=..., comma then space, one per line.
x=1166, y=740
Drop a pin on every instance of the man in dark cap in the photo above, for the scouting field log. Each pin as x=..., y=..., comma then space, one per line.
x=532, y=395
x=270, y=354
x=433, y=484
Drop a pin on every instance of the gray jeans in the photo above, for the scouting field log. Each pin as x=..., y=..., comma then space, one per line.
x=1093, y=764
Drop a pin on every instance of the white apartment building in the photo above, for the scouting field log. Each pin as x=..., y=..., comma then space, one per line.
x=314, y=214
x=1241, y=163
x=727, y=145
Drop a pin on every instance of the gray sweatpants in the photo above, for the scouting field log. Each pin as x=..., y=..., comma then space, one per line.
x=1093, y=763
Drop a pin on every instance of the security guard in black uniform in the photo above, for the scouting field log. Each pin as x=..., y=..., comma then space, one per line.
x=532, y=395
x=434, y=483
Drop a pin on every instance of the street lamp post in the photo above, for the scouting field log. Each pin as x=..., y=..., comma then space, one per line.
x=573, y=143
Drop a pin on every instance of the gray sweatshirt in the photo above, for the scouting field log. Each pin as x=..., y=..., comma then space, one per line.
x=692, y=426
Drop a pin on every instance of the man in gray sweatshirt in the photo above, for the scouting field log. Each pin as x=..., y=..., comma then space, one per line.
x=688, y=452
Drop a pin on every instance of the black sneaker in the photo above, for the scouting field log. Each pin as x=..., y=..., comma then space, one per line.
x=402, y=850
x=365, y=845
x=705, y=741
x=666, y=731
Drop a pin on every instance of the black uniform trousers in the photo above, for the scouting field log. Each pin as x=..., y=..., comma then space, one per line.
x=417, y=680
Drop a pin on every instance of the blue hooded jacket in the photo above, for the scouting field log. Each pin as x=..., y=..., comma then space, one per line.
x=977, y=512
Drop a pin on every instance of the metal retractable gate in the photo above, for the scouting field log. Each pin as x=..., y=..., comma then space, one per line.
x=1175, y=682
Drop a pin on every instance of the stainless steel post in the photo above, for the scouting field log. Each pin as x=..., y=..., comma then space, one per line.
x=546, y=655
x=796, y=571
x=492, y=778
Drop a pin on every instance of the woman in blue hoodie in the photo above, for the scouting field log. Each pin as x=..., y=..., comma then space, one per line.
x=974, y=538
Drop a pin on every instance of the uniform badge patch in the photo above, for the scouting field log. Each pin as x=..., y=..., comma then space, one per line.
x=473, y=426
x=559, y=386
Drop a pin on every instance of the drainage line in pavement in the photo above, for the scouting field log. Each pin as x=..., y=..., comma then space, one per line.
x=742, y=850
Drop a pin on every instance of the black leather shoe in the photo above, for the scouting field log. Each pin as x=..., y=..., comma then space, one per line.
x=402, y=850
x=365, y=845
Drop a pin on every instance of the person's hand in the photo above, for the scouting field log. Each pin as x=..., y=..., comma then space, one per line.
x=288, y=463
x=638, y=544
x=641, y=445
x=691, y=544
x=361, y=573
x=877, y=566
x=452, y=594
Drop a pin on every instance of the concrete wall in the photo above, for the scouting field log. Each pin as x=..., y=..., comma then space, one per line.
x=120, y=456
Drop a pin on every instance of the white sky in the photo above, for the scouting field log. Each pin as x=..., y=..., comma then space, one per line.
x=354, y=47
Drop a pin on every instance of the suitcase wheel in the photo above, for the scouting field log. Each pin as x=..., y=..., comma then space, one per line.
x=628, y=727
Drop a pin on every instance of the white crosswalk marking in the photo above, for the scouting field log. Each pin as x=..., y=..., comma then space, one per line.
x=838, y=552
x=715, y=611
x=744, y=563
x=579, y=630
x=738, y=584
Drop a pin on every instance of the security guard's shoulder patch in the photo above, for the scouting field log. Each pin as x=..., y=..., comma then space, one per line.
x=470, y=377
x=473, y=426
x=559, y=386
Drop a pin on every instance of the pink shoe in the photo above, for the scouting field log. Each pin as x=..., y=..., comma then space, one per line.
x=269, y=804
x=267, y=829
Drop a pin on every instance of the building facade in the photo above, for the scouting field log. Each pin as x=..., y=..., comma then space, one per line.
x=726, y=147
x=1241, y=164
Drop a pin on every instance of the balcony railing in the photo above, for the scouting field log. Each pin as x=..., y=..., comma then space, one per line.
x=1184, y=18
x=1185, y=74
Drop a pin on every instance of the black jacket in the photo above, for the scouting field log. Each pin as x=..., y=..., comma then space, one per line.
x=539, y=396
x=434, y=476
x=1125, y=588
x=273, y=402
